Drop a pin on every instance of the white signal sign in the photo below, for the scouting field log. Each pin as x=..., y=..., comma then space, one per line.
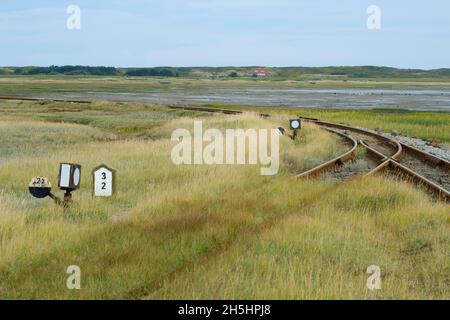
x=69, y=176
x=103, y=181
x=295, y=124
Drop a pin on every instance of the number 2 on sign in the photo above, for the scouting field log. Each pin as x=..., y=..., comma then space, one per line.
x=103, y=181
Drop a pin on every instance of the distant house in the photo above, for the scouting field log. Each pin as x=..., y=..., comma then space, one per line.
x=259, y=72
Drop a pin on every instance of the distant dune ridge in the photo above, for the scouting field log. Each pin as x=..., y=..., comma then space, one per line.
x=231, y=72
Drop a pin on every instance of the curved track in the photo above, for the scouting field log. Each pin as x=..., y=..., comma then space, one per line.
x=396, y=158
x=358, y=161
x=388, y=147
x=336, y=162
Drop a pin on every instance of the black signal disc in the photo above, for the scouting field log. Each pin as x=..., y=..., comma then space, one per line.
x=40, y=192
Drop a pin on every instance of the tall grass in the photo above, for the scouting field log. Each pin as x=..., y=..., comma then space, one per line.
x=204, y=231
x=171, y=214
x=321, y=250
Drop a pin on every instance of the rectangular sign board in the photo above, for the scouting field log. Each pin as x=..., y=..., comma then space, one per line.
x=64, y=179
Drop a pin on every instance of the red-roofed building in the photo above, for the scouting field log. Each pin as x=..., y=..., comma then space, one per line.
x=259, y=72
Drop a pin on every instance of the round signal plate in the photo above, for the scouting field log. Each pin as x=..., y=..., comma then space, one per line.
x=40, y=187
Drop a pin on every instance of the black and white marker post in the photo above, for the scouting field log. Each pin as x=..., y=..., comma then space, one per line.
x=295, y=124
x=104, y=181
x=69, y=181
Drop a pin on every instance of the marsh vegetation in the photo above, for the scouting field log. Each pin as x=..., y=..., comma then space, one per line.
x=203, y=231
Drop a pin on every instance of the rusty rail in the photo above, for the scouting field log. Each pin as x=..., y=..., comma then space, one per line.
x=43, y=99
x=205, y=109
x=440, y=192
x=338, y=161
x=397, y=145
x=214, y=110
x=371, y=150
x=184, y=107
x=433, y=160
x=393, y=163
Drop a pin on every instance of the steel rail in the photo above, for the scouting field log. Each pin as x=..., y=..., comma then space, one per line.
x=433, y=160
x=43, y=99
x=216, y=110
x=390, y=142
x=379, y=158
x=371, y=150
x=393, y=163
x=333, y=163
x=204, y=109
x=440, y=192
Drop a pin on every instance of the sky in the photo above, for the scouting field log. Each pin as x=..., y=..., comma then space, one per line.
x=147, y=33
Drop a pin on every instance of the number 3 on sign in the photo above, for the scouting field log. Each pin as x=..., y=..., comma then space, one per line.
x=103, y=181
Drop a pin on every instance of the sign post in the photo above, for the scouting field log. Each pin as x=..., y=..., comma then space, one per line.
x=295, y=124
x=69, y=180
x=40, y=187
x=104, y=181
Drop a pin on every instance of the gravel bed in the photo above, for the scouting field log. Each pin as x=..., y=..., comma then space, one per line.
x=423, y=145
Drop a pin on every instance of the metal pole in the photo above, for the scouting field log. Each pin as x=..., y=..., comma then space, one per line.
x=55, y=198
x=294, y=135
x=67, y=199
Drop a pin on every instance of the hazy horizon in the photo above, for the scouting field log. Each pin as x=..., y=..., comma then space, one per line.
x=226, y=66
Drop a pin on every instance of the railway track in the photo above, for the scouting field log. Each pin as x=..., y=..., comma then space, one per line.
x=334, y=164
x=213, y=110
x=358, y=161
x=394, y=158
x=385, y=146
x=379, y=154
x=42, y=99
x=204, y=109
x=432, y=168
x=362, y=164
x=172, y=106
